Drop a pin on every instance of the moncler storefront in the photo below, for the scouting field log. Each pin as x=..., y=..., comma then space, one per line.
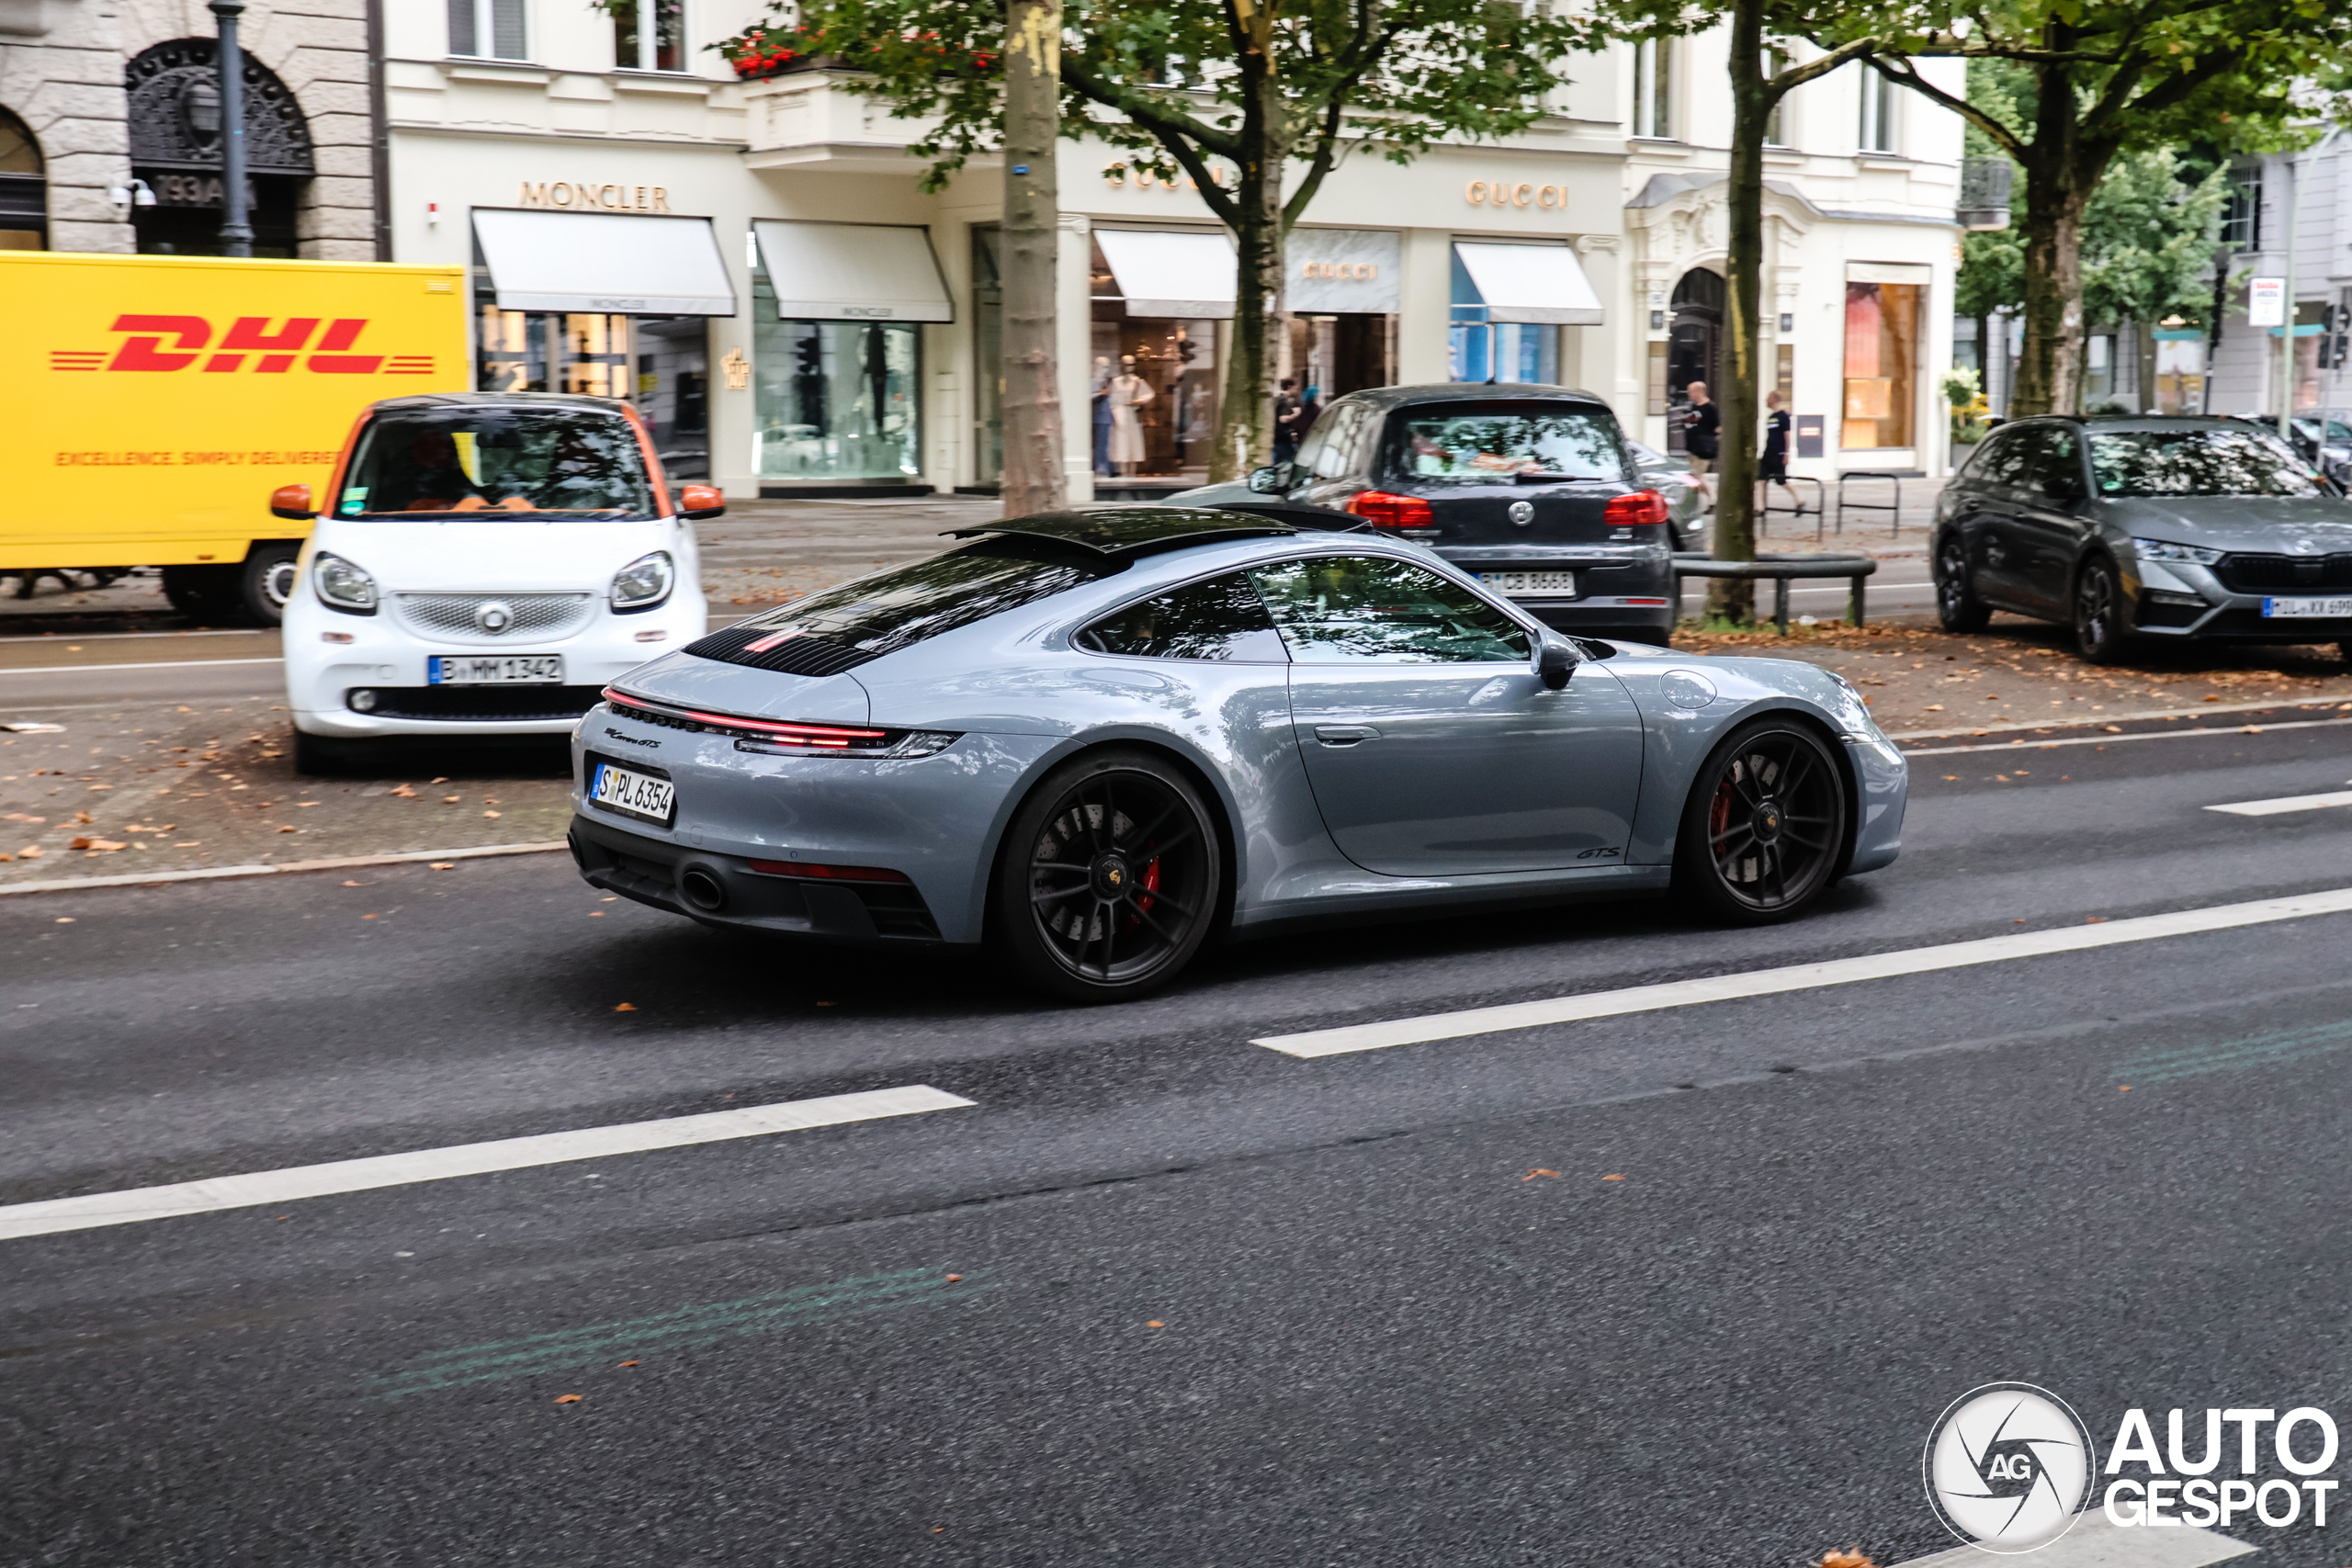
x=806, y=320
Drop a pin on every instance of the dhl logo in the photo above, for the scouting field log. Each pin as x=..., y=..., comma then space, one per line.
x=250, y=337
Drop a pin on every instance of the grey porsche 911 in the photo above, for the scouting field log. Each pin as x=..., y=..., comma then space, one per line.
x=1100, y=740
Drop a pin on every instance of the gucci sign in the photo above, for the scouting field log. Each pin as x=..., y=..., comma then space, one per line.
x=1502, y=193
x=1361, y=272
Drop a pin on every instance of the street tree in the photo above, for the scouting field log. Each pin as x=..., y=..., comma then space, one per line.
x=2096, y=79
x=1254, y=102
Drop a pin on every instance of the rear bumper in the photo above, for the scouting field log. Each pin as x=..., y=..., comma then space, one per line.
x=654, y=871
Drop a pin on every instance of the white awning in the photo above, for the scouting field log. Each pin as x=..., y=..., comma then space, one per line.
x=607, y=263
x=853, y=272
x=1171, y=272
x=1531, y=283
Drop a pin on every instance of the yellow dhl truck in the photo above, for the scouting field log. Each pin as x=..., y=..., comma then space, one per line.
x=149, y=404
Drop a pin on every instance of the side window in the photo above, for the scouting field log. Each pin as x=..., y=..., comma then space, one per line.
x=2008, y=458
x=1222, y=618
x=1357, y=609
x=1330, y=444
x=2058, y=472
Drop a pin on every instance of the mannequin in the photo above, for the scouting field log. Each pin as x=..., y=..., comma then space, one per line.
x=1099, y=386
x=1127, y=394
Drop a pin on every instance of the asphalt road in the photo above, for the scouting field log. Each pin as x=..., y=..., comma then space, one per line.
x=1209, y=1303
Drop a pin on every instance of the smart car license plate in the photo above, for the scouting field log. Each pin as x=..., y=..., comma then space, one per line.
x=2335, y=609
x=494, y=670
x=1531, y=583
x=639, y=794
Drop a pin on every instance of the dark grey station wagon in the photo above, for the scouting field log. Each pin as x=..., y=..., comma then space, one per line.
x=1532, y=488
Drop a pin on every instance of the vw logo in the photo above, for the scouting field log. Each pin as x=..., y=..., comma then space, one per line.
x=2303, y=546
x=493, y=616
x=1522, y=511
x=2007, y=1466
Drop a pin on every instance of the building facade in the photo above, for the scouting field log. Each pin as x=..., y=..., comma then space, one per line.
x=753, y=263
x=110, y=127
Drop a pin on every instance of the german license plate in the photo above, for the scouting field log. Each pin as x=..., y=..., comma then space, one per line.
x=639, y=794
x=2335, y=609
x=494, y=670
x=1531, y=582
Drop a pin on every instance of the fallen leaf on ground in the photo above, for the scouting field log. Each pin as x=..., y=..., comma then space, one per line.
x=1539, y=1170
x=2095, y=919
x=1852, y=1557
x=451, y=799
x=1612, y=1179
x=289, y=830
x=366, y=917
x=404, y=792
x=442, y=780
x=567, y=1399
x=954, y=1278
x=2123, y=1088
x=355, y=884
x=444, y=865
x=494, y=814
x=628, y=1363
x=1155, y=1322
x=30, y=851
x=595, y=914
x=625, y=1006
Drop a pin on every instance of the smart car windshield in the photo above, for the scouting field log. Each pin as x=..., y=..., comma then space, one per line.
x=2197, y=462
x=1484, y=446
x=490, y=463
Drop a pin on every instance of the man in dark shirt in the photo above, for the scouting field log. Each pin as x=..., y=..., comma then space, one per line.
x=1774, y=468
x=1702, y=436
x=1286, y=432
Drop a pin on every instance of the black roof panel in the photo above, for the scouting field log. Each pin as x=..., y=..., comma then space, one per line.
x=1129, y=531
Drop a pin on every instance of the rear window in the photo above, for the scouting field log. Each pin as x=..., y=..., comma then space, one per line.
x=2197, y=462
x=845, y=626
x=492, y=463
x=1482, y=445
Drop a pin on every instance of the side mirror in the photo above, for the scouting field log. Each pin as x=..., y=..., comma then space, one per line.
x=1272, y=480
x=292, y=502
x=1555, y=660
x=701, y=501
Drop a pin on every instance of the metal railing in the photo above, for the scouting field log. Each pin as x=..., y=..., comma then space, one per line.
x=1893, y=508
x=1782, y=569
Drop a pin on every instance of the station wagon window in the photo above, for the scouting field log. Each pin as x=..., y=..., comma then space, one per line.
x=1356, y=609
x=1220, y=619
x=495, y=462
x=1482, y=445
x=2005, y=458
x=1328, y=445
x=2058, y=465
x=2197, y=462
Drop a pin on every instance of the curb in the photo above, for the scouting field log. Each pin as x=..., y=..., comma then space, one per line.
x=218, y=872
x=2330, y=703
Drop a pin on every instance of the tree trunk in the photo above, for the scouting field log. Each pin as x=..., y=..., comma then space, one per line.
x=2060, y=174
x=1246, y=412
x=1733, y=599
x=1031, y=402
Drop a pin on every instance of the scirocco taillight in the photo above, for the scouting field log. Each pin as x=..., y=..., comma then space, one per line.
x=1408, y=514
x=1643, y=508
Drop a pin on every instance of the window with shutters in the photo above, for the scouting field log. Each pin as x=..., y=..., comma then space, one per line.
x=488, y=29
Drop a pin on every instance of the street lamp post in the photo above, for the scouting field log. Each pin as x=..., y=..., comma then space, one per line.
x=236, y=231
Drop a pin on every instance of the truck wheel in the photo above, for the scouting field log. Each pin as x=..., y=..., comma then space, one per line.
x=265, y=581
x=206, y=594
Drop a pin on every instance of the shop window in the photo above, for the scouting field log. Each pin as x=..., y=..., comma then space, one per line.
x=1654, y=87
x=660, y=363
x=1478, y=349
x=24, y=188
x=488, y=29
x=1152, y=384
x=649, y=35
x=1878, y=113
x=1882, y=365
x=836, y=401
x=987, y=355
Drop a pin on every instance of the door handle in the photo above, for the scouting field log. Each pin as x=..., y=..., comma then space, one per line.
x=1345, y=734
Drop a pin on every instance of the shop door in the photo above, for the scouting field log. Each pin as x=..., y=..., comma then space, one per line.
x=1693, y=345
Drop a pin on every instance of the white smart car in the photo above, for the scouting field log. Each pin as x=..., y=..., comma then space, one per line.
x=484, y=564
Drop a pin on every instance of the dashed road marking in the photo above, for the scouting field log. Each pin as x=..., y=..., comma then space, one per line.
x=2286, y=802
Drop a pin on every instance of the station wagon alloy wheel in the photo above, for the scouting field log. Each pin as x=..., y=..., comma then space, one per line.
x=2099, y=608
x=1956, y=607
x=1109, y=878
x=1764, y=828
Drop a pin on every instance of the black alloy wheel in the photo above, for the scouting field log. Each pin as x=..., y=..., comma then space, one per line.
x=1764, y=832
x=1110, y=877
x=1957, y=607
x=2099, y=635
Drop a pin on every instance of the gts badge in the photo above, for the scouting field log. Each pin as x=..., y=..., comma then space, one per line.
x=1598, y=855
x=628, y=740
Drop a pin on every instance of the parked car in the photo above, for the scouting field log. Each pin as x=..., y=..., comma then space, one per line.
x=1101, y=738
x=1532, y=488
x=2133, y=528
x=2322, y=438
x=483, y=564
x=1687, y=506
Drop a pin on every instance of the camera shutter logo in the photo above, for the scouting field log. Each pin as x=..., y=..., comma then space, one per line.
x=2007, y=1467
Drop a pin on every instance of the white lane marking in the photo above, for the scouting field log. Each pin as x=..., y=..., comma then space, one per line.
x=1801, y=976
x=95, y=669
x=2286, y=802
x=201, y=873
x=300, y=1181
x=53, y=639
x=2094, y=1542
x=2116, y=739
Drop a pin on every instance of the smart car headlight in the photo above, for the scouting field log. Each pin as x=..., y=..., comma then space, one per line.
x=2160, y=549
x=341, y=585
x=643, y=582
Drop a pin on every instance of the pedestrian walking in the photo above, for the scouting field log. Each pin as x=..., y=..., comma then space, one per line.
x=1287, y=422
x=1774, y=466
x=1701, y=434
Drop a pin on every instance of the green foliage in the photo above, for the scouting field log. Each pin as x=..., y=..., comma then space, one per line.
x=1162, y=79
